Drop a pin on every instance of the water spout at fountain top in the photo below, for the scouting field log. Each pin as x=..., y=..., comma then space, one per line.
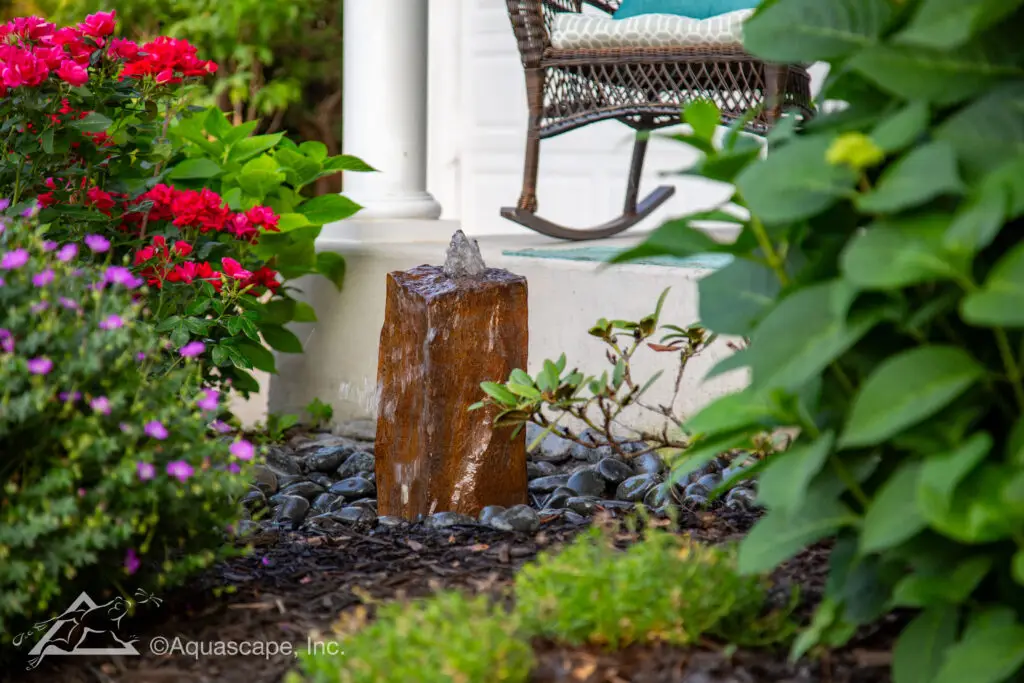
x=463, y=258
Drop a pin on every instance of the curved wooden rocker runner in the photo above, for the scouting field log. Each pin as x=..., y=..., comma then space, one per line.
x=643, y=88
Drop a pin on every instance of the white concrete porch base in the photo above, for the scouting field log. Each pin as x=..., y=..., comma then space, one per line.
x=565, y=297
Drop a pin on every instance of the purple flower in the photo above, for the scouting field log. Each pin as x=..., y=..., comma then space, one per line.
x=69, y=304
x=180, y=470
x=97, y=243
x=208, y=401
x=125, y=427
x=81, y=493
x=67, y=252
x=145, y=470
x=39, y=306
x=6, y=341
x=192, y=349
x=49, y=245
x=2, y=283
x=233, y=468
x=40, y=365
x=31, y=211
x=4, y=203
x=265, y=561
x=242, y=450
x=14, y=259
x=119, y=275
x=69, y=397
x=111, y=322
x=140, y=356
x=100, y=404
x=155, y=430
x=131, y=561
x=221, y=427
x=43, y=278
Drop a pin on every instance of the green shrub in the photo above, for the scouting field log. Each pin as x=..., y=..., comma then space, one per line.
x=664, y=588
x=890, y=333
x=447, y=638
x=112, y=480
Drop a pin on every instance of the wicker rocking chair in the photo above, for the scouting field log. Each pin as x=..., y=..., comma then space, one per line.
x=643, y=88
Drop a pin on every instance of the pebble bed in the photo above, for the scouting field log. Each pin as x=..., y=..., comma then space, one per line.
x=320, y=480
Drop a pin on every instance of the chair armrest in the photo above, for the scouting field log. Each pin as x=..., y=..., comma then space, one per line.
x=527, y=17
x=608, y=6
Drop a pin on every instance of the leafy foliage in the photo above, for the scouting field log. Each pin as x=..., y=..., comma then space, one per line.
x=113, y=479
x=593, y=593
x=443, y=639
x=891, y=335
x=87, y=135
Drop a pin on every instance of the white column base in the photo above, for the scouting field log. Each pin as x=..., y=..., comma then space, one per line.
x=415, y=205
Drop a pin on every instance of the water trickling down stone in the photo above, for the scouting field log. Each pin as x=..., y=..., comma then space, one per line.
x=463, y=258
x=446, y=330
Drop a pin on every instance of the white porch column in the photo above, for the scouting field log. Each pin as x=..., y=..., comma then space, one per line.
x=385, y=107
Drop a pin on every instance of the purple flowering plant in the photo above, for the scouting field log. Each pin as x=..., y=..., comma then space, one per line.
x=109, y=469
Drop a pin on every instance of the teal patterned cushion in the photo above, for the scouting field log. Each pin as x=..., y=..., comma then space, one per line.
x=694, y=9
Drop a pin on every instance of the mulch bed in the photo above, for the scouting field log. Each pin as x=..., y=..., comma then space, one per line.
x=293, y=585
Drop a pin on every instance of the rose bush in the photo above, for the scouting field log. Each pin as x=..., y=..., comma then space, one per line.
x=85, y=138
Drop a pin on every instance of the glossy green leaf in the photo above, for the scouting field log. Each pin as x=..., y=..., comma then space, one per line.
x=499, y=393
x=732, y=412
x=344, y=162
x=989, y=132
x=703, y=116
x=1000, y=301
x=990, y=651
x=949, y=586
x=899, y=252
x=732, y=299
x=195, y=169
x=902, y=129
x=679, y=239
x=922, y=175
x=905, y=389
x=281, y=339
x=328, y=208
x=795, y=182
x=332, y=266
x=315, y=150
x=921, y=649
x=93, y=122
x=783, y=484
x=776, y=537
x=811, y=30
x=948, y=24
x=249, y=148
x=259, y=177
x=893, y=516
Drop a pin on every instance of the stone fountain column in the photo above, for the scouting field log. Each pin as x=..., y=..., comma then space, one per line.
x=446, y=330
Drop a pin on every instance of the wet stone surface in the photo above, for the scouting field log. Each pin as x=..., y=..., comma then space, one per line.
x=317, y=479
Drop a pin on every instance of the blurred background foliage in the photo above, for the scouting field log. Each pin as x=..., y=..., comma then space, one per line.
x=280, y=62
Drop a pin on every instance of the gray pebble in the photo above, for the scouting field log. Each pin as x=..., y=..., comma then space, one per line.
x=390, y=521
x=292, y=511
x=517, y=518
x=443, y=520
x=710, y=481
x=353, y=487
x=614, y=471
x=355, y=513
x=489, y=512
x=282, y=461
x=538, y=469
x=696, y=489
x=359, y=463
x=546, y=484
x=254, y=500
x=306, y=489
x=583, y=505
x=265, y=480
x=587, y=483
x=325, y=501
x=635, y=488
x=326, y=459
x=649, y=463
x=320, y=478
x=559, y=497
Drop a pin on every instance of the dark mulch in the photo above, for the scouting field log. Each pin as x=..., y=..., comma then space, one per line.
x=293, y=585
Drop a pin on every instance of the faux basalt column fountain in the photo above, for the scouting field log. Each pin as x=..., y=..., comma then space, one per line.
x=446, y=330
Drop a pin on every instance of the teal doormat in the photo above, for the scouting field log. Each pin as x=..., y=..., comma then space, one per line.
x=602, y=254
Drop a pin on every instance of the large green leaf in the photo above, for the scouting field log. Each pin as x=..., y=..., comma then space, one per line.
x=989, y=132
x=991, y=650
x=776, y=537
x=943, y=472
x=281, y=339
x=678, y=238
x=260, y=176
x=733, y=412
x=93, y=122
x=922, y=175
x=942, y=77
x=812, y=30
x=328, y=208
x=948, y=24
x=260, y=357
x=903, y=128
x=1000, y=301
x=703, y=116
x=345, y=162
x=248, y=148
x=905, y=389
x=783, y=484
x=896, y=253
x=795, y=181
x=200, y=169
x=893, y=516
x=732, y=299
x=951, y=585
x=804, y=333
x=332, y=266
x=921, y=648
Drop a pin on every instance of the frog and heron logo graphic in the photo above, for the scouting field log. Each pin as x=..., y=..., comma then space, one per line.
x=85, y=628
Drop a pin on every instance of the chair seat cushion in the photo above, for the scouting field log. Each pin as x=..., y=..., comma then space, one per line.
x=694, y=9
x=579, y=32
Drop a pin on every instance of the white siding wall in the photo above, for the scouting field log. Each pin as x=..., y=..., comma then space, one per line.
x=477, y=131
